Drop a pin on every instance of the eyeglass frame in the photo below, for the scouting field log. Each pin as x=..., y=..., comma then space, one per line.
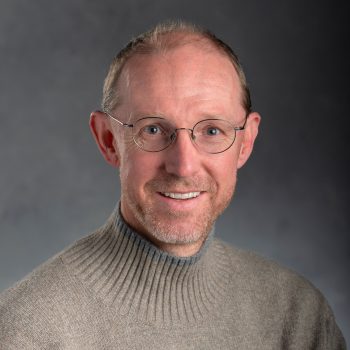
x=173, y=139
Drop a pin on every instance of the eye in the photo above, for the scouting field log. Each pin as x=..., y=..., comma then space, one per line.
x=212, y=131
x=152, y=129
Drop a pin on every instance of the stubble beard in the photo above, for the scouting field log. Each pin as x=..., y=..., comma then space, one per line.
x=172, y=227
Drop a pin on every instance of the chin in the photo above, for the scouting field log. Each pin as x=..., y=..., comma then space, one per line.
x=179, y=234
x=175, y=229
x=164, y=226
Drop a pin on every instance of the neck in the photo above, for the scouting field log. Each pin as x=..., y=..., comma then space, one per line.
x=135, y=277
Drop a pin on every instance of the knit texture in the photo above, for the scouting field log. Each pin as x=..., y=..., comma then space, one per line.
x=115, y=290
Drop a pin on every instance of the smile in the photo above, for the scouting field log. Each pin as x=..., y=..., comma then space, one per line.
x=187, y=195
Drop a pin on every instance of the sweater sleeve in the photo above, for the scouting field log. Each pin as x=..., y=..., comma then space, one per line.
x=291, y=312
x=310, y=322
x=21, y=325
x=30, y=311
x=334, y=337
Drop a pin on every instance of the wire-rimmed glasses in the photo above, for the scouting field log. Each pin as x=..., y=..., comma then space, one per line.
x=154, y=134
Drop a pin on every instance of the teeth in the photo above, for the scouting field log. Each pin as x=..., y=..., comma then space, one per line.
x=181, y=195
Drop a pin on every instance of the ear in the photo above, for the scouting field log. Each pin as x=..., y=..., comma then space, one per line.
x=250, y=133
x=102, y=131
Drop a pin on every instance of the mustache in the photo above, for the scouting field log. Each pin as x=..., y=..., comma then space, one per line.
x=172, y=183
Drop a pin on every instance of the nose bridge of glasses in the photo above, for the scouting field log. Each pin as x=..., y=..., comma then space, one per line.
x=173, y=136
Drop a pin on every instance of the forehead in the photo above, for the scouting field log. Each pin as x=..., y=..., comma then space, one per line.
x=189, y=77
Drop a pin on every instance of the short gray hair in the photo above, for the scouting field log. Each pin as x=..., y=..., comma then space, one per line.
x=162, y=38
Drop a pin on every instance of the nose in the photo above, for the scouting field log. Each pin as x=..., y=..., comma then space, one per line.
x=182, y=157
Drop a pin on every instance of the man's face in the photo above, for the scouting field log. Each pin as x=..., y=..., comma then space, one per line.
x=184, y=85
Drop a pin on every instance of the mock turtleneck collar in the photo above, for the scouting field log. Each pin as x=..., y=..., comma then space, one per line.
x=118, y=223
x=131, y=274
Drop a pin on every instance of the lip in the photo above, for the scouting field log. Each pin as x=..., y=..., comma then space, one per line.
x=181, y=195
x=180, y=192
x=180, y=204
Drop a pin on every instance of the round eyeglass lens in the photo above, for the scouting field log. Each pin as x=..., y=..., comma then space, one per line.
x=214, y=135
x=153, y=134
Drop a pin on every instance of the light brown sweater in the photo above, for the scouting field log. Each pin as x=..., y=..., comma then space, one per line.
x=115, y=290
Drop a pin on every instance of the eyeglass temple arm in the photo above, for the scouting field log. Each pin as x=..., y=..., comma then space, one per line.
x=117, y=120
x=243, y=126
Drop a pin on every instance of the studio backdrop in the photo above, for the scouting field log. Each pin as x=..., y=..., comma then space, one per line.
x=291, y=200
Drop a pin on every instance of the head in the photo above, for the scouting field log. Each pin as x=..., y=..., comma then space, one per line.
x=183, y=74
x=163, y=38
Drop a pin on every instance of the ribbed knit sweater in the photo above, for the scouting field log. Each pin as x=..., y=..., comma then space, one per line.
x=115, y=290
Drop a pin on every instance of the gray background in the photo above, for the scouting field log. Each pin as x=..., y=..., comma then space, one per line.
x=291, y=203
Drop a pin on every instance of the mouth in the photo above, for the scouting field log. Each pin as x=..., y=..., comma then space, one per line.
x=180, y=196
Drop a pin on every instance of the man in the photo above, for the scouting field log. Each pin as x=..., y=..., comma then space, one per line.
x=176, y=121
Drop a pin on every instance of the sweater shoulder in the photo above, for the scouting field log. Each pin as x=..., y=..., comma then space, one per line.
x=285, y=301
x=38, y=304
x=262, y=269
x=24, y=308
x=46, y=280
x=43, y=283
x=270, y=283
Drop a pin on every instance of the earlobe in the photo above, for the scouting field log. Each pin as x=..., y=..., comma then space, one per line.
x=103, y=134
x=250, y=134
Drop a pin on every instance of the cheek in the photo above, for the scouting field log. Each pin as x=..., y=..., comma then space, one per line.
x=227, y=179
x=137, y=168
x=226, y=171
x=129, y=154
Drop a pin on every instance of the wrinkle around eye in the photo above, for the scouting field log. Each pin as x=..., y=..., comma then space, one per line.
x=128, y=142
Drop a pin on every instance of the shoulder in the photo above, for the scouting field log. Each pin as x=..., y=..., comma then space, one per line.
x=39, y=304
x=282, y=299
x=258, y=271
x=21, y=305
